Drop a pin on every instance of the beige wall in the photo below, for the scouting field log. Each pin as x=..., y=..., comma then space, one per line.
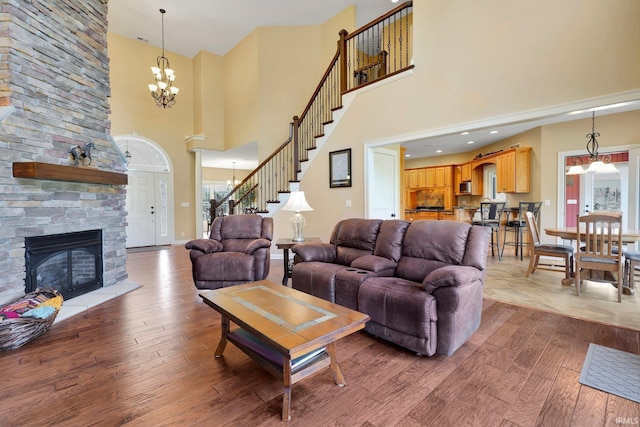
x=289, y=71
x=134, y=111
x=241, y=94
x=222, y=175
x=478, y=61
x=208, y=101
x=330, y=30
x=473, y=62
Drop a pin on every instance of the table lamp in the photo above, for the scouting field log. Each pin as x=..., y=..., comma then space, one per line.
x=297, y=203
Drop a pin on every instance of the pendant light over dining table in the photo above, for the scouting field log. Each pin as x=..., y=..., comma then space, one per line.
x=596, y=161
x=163, y=91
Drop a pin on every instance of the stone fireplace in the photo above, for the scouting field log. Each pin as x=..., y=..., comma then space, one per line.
x=54, y=95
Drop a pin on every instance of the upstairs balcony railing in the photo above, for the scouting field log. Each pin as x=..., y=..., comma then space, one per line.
x=376, y=51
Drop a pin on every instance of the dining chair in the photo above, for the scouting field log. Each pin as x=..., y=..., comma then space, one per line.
x=546, y=250
x=517, y=225
x=631, y=263
x=491, y=216
x=600, y=233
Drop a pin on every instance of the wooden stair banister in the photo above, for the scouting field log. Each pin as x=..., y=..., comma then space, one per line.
x=282, y=167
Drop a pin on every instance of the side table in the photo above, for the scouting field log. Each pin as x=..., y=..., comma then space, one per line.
x=286, y=244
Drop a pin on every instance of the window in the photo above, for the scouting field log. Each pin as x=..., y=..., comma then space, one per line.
x=490, y=190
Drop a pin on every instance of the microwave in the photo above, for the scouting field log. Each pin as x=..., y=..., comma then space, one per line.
x=465, y=187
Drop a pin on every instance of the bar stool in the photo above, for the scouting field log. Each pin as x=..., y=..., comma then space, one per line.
x=491, y=216
x=631, y=262
x=518, y=225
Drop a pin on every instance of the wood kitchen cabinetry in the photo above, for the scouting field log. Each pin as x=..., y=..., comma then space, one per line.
x=415, y=178
x=440, y=176
x=413, y=216
x=465, y=172
x=513, y=171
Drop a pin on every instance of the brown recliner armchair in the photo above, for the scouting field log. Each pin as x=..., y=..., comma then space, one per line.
x=237, y=251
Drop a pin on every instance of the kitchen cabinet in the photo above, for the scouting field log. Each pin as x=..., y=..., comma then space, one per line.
x=422, y=178
x=415, y=178
x=441, y=176
x=431, y=215
x=446, y=216
x=448, y=198
x=513, y=171
x=465, y=172
x=431, y=177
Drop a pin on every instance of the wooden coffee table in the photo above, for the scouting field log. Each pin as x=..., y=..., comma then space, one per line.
x=289, y=333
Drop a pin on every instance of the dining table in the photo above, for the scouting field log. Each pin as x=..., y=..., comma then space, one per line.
x=571, y=233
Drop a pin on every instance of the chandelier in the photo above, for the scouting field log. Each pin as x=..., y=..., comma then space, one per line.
x=162, y=91
x=596, y=162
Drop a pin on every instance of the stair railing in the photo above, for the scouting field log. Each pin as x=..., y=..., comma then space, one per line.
x=376, y=51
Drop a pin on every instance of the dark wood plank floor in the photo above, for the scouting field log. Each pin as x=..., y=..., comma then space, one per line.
x=146, y=358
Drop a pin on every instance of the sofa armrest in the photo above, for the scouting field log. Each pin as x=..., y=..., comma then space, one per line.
x=320, y=252
x=257, y=244
x=373, y=263
x=204, y=245
x=450, y=275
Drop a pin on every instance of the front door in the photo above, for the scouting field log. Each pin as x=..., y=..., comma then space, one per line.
x=141, y=209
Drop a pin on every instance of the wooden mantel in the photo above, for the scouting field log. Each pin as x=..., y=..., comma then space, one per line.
x=38, y=170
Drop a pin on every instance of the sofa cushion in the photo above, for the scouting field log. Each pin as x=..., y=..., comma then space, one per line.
x=451, y=275
x=316, y=278
x=204, y=245
x=355, y=237
x=233, y=266
x=398, y=304
x=429, y=245
x=374, y=263
x=320, y=252
x=389, y=243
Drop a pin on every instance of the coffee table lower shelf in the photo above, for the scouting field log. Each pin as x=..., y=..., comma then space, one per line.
x=306, y=365
x=289, y=371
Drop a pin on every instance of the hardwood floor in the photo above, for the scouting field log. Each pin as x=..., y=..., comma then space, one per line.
x=146, y=358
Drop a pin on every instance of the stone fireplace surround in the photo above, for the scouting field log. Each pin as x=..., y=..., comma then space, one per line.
x=54, y=88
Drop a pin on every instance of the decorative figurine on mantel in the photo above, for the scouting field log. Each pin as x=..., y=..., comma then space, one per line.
x=80, y=154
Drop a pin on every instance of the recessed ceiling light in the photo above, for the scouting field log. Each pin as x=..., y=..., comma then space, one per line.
x=464, y=133
x=493, y=132
x=470, y=142
x=438, y=151
x=407, y=155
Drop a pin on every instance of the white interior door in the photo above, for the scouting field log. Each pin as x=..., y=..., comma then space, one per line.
x=383, y=188
x=141, y=209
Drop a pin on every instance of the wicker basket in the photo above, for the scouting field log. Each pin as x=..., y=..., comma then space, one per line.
x=19, y=331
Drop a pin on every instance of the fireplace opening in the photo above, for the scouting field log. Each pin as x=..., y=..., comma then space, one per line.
x=68, y=262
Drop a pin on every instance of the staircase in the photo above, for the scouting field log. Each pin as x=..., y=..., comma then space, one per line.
x=377, y=51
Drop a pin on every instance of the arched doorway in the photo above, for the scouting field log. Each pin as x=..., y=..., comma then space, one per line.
x=149, y=192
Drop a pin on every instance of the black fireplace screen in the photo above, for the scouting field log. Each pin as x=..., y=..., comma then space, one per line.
x=69, y=262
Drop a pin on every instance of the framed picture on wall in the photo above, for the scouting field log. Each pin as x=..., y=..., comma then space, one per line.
x=340, y=168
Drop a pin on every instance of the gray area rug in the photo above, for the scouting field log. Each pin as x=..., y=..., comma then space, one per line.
x=614, y=371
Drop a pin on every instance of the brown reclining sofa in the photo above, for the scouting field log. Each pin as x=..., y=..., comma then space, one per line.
x=420, y=282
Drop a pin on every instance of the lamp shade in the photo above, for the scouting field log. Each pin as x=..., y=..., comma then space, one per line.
x=575, y=170
x=297, y=203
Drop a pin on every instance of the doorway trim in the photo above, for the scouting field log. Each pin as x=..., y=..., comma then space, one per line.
x=148, y=156
x=369, y=171
x=562, y=155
